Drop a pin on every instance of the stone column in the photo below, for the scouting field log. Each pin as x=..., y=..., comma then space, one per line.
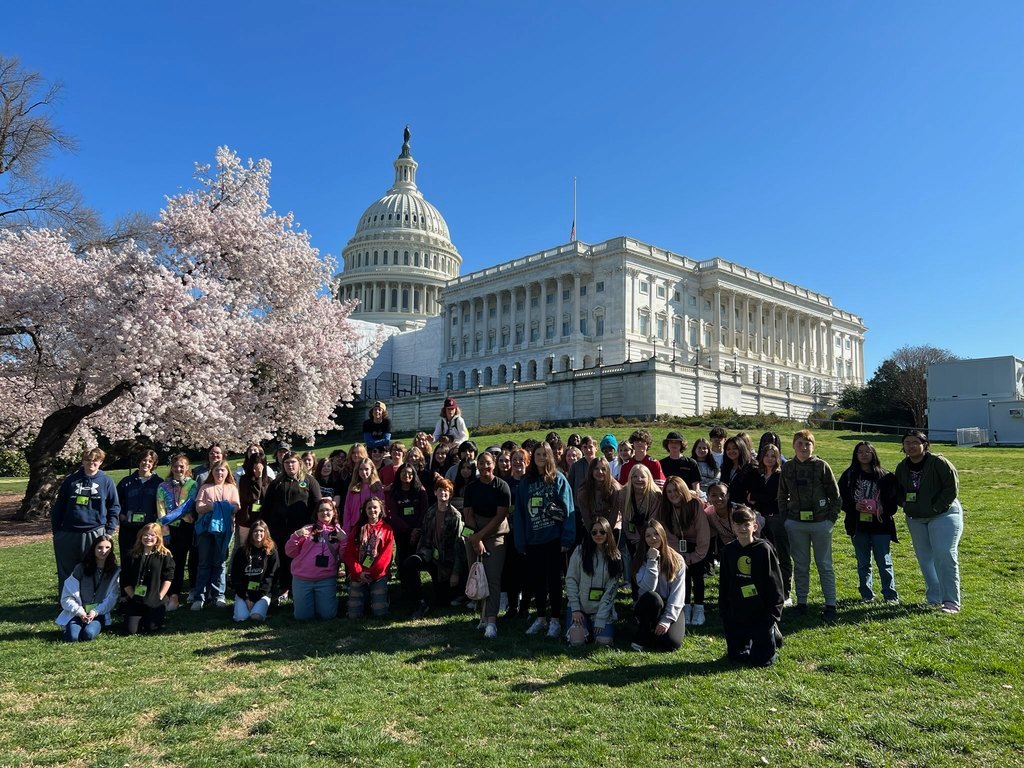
x=542, y=327
x=716, y=313
x=574, y=325
x=559, y=307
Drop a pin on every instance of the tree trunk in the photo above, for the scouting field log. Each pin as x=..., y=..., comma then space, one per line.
x=54, y=434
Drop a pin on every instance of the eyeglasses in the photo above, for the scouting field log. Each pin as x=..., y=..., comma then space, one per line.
x=598, y=532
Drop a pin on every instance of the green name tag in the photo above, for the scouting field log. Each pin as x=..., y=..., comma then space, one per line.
x=407, y=511
x=807, y=515
x=253, y=586
x=467, y=531
x=866, y=517
x=138, y=517
x=89, y=607
x=82, y=501
x=176, y=523
x=632, y=528
x=536, y=502
x=367, y=561
x=912, y=496
x=437, y=553
x=257, y=506
x=141, y=590
x=596, y=594
x=748, y=590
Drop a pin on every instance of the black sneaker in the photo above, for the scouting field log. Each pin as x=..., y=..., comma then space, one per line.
x=421, y=610
x=799, y=610
x=830, y=615
x=778, y=635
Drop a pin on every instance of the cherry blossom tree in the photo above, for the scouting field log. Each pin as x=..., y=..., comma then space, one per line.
x=227, y=331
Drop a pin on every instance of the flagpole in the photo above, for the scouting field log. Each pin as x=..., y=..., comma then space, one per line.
x=574, y=202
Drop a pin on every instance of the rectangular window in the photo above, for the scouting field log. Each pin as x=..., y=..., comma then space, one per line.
x=677, y=333
x=455, y=349
x=465, y=319
x=534, y=334
x=661, y=292
x=566, y=327
x=455, y=318
x=661, y=327
x=504, y=338
x=465, y=346
x=519, y=305
x=565, y=295
x=534, y=302
x=691, y=301
x=645, y=287
x=478, y=345
x=645, y=325
x=846, y=343
x=479, y=315
x=519, y=334
x=599, y=287
x=693, y=335
x=583, y=290
x=583, y=324
x=492, y=312
x=549, y=332
x=599, y=325
x=550, y=299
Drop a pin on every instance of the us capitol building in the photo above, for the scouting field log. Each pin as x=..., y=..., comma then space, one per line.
x=581, y=330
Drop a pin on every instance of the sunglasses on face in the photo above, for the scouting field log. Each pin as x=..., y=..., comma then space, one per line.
x=597, y=533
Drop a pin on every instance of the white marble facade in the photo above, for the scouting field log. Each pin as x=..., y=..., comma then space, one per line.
x=580, y=305
x=583, y=306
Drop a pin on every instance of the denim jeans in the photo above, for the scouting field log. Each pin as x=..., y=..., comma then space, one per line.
x=605, y=637
x=803, y=536
x=75, y=631
x=936, y=543
x=210, y=581
x=864, y=546
x=315, y=598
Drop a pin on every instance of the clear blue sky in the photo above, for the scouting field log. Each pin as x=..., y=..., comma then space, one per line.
x=872, y=151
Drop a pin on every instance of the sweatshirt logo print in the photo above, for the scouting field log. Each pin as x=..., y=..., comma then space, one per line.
x=86, y=489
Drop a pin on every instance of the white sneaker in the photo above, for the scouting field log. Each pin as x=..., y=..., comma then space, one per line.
x=698, y=616
x=482, y=624
x=687, y=612
x=503, y=603
x=491, y=632
x=788, y=603
x=554, y=628
x=539, y=625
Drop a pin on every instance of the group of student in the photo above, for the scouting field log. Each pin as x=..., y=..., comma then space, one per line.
x=525, y=524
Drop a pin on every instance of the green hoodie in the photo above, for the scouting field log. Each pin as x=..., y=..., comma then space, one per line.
x=937, y=486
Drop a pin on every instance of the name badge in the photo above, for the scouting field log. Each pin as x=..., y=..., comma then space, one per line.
x=407, y=511
x=253, y=586
x=257, y=506
x=632, y=528
x=536, y=502
x=303, y=484
x=176, y=523
x=596, y=595
x=807, y=515
x=866, y=517
x=748, y=590
x=437, y=553
x=138, y=517
x=89, y=607
x=367, y=561
x=683, y=547
x=912, y=496
x=82, y=501
x=467, y=531
x=141, y=590
x=321, y=561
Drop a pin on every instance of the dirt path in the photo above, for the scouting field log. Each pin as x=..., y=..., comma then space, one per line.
x=15, y=532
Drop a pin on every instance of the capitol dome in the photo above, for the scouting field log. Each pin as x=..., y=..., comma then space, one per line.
x=401, y=256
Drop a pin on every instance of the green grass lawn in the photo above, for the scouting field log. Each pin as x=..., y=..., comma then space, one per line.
x=887, y=686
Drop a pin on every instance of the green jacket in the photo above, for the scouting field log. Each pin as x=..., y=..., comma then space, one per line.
x=937, y=488
x=808, y=491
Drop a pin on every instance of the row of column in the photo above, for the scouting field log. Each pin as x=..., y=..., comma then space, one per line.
x=762, y=329
x=418, y=299
x=506, y=313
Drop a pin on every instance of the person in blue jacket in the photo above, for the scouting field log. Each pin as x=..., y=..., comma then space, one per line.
x=86, y=508
x=544, y=522
x=137, y=496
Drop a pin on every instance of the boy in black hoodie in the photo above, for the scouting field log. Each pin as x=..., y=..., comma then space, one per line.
x=750, y=594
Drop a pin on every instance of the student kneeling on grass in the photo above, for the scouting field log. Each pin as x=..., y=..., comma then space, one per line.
x=253, y=568
x=750, y=594
x=147, y=579
x=314, y=551
x=90, y=593
x=661, y=577
x=591, y=583
x=368, y=552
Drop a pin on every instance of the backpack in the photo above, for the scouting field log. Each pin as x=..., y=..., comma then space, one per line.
x=476, y=582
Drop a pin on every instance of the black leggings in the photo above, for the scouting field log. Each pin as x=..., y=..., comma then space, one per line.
x=139, y=617
x=695, y=583
x=647, y=613
x=544, y=562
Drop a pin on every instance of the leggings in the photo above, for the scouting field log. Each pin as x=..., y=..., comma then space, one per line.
x=647, y=613
x=544, y=562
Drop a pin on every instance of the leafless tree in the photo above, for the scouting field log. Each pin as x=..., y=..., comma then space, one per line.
x=28, y=137
x=911, y=389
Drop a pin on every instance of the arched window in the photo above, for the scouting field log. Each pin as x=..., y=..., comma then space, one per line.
x=405, y=299
x=531, y=370
x=462, y=379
